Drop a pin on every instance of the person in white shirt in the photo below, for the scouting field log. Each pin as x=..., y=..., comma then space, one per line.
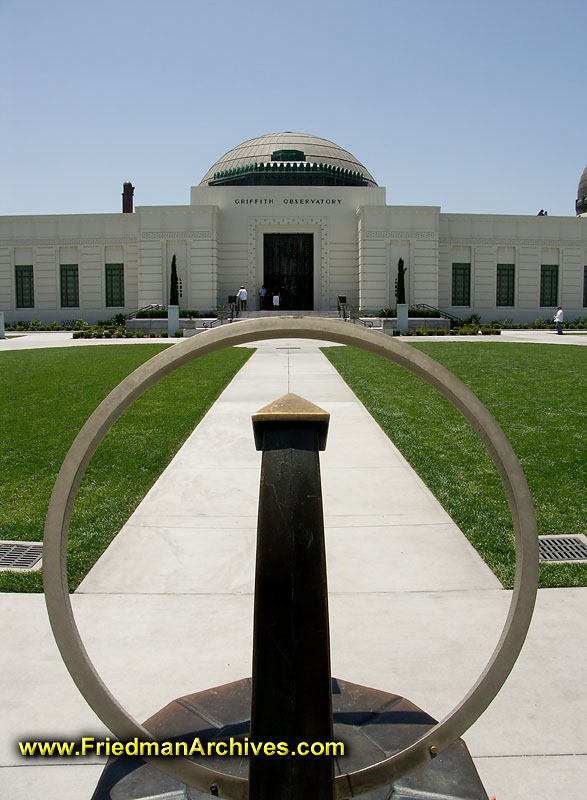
x=276, y=299
x=558, y=318
x=241, y=296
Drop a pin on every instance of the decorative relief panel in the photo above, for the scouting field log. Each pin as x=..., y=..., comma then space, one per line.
x=66, y=242
x=400, y=235
x=176, y=235
x=298, y=222
x=472, y=240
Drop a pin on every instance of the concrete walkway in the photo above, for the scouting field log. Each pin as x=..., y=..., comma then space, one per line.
x=167, y=610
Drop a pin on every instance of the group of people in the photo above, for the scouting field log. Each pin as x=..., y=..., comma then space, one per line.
x=267, y=301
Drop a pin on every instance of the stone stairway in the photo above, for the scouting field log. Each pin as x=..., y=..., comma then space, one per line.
x=284, y=313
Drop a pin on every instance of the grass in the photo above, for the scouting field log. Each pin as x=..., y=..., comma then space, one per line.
x=538, y=395
x=46, y=397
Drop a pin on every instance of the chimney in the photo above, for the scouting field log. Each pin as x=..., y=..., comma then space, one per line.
x=128, y=191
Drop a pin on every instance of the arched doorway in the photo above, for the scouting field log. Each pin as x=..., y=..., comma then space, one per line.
x=288, y=266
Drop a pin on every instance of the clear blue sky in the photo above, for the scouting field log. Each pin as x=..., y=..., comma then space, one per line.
x=473, y=106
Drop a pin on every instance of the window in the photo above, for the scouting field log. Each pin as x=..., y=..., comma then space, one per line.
x=69, y=286
x=504, y=295
x=584, y=287
x=548, y=285
x=461, y=284
x=115, y=285
x=25, y=294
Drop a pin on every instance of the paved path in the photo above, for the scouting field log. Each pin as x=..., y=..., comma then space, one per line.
x=167, y=610
x=41, y=339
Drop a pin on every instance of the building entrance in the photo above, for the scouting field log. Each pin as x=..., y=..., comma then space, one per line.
x=288, y=266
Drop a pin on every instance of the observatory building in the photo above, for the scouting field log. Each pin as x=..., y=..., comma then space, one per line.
x=296, y=213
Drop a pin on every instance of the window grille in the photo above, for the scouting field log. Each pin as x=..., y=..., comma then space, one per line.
x=461, y=284
x=25, y=293
x=115, y=285
x=548, y=285
x=505, y=285
x=69, y=286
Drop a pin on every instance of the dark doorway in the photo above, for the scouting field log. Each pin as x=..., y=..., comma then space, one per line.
x=288, y=266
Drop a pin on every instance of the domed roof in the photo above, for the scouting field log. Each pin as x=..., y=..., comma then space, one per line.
x=313, y=149
x=581, y=204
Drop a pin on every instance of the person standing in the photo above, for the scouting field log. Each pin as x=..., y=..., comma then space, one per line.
x=262, y=298
x=241, y=296
x=276, y=299
x=558, y=318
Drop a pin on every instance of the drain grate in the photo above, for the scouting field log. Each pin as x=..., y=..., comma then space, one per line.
x=558, y=549
x=22, y=556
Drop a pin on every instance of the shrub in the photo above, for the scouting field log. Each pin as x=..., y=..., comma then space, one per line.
x=427, y=313
x=179, y=333
x=164, y=334
x=78, y=325
x=153, y=335
x=152, y=313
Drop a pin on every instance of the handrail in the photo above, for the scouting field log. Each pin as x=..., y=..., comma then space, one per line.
x=348, y=313
x=150, y=307
x=228, y=315
x=444, y=314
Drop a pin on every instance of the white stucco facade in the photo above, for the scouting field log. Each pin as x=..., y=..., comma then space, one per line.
x=356, y=237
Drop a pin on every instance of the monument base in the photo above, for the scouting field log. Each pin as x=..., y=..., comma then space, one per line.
x=372, y=724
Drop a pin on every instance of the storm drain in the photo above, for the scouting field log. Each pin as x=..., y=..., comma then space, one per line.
x=21, y=556
x=559, y=549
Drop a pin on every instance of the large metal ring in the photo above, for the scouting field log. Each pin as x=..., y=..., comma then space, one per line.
x=57, y=524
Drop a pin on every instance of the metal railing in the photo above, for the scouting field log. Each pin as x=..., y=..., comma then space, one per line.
x=443, y=314
x=150, y=307
x=348, y=313
x=228, y=315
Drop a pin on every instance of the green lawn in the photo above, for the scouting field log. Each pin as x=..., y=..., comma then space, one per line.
x=46, y=397
x=538, y=395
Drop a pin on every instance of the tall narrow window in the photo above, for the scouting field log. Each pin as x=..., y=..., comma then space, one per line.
x=115, y=285
x=505, y=285
x=25, y=290
x=548, y=285
x=461, y=284
x=69, y=286
x=584, y=287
